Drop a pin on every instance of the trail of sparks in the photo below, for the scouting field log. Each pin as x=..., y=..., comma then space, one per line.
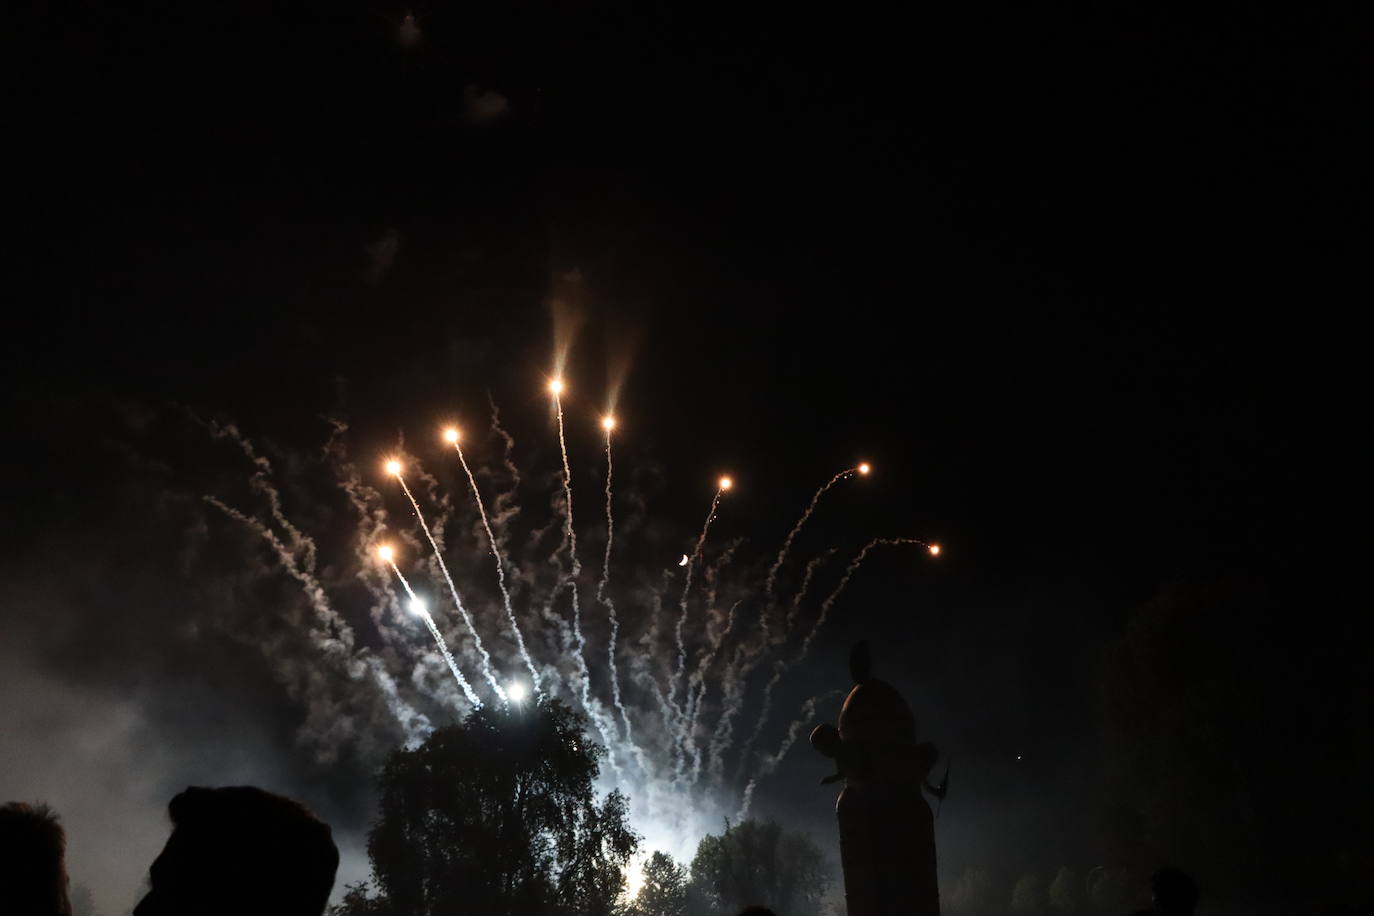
x=605, y=600
x=487, y=671
x=500, y=570
x=702, y=672
x=418, y=607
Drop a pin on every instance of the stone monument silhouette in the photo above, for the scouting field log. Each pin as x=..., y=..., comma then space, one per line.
x=887, y=831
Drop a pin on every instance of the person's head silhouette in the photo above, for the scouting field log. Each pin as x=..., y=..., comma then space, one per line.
x=1175, y=893
x=241, y=850
x=33, y=873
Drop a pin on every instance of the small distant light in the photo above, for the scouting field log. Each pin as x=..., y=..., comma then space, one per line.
x=393, y=468
x=417, y=607
x=517, y=692
x=608, y=423
x=864, y=468
x=934, y=550
x=385, y=553
x=556, y=386
x=1018, y=756
x=726, y=483
x=451, y=434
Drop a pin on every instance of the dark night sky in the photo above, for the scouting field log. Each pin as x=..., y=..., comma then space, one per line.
x=1073, y=277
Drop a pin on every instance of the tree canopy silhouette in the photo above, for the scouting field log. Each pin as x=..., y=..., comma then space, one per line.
x=756, y=863
x=496, y=816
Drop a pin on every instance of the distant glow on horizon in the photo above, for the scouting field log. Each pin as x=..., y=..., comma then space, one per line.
x=864, y=468
x=451, y=434
x=726, y=483
x=385, y=553
x=934, y=550
x=517, y=692
x=608, y=423
x=393, y=468
x=556, y=386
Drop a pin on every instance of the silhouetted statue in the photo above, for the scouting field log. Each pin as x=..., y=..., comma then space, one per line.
x=1174, y=893
x=33, y=871
x=887, y=832
x=241, y=850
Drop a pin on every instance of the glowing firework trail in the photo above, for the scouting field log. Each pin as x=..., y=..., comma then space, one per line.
x=770, y=764
x=772, y=582
x=725, y=484
x=452, y=436
x=395, y=469
x=570, y=538
x=600, y=721
x=418, y=607
x=608, y=424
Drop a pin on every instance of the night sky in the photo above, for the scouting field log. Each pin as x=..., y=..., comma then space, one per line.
x=1078, y=280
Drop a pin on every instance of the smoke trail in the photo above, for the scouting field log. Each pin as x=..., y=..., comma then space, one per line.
x=261, y=482
x=771, y=584
x=453, y=590
x=700, y=679
x=500, y=569
x=808, y=712
x=682, y=603
x=780, y=665
x=504, y=507
x=849, y=571
x=605, y=600
x=417, y=606
x=336, y=641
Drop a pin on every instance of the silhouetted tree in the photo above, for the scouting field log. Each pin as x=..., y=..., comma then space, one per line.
x=1066, y=891
x=664, y=892
x=496, y=816
x=1235, y=713
x=757, y=863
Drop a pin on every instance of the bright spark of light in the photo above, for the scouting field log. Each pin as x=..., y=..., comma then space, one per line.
x=417, y=607
x=451, y=435
x=517, y=692
x=934, y=550
x=385, y=553
x=556, y=386
x=608, y=423
x=393, y=468
x=726, y=483
x=864, y=468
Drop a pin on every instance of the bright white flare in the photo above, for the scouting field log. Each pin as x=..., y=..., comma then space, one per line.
x=517, y=692
x=556, y=386
x=385, y=553
x=417, y=607
x=934, y=550
x=451, y=434
x=864, y=468
x=393, y=468
x=608, y=423
x=726, y=483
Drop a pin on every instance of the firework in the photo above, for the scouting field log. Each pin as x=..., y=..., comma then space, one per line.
x=417, y=607
x=394, y=469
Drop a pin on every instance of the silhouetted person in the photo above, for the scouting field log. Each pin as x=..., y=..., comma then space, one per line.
x=1174, y=893
x=239, y=851
x=33, y=871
